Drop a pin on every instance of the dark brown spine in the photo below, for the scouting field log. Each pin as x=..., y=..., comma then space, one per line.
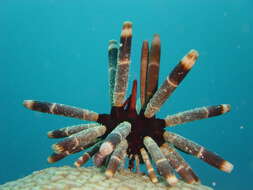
x=179, y=164
x=161, y=162
x=61, y=109
x=170, y=84
x=83, y=138
x=111, y=141
x=121, y=80
x=200, y=152
x=143, y=75
x=150, y=169
x=116, y=158
x=112, y=59
x=196, y=114
x=58, y=156
x=70, y=130
x=84, y=158
x=153, y=67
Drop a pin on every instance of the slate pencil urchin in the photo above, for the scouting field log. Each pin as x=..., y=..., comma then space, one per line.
x=128, y=133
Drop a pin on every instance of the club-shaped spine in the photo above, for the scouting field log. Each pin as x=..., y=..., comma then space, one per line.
x=116, y=158
x=70, y=130
x=61, y=109
x=171, y=83
x=79, y=139
x=179, y=164
x=111, y=141
x=200, y=152
x=160, y=160
x=121, y=79
x=196, y=114
x=112, y=59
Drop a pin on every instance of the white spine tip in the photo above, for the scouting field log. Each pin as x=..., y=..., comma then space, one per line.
x=193, y=53
x=127, y=23
x=154, y=180
x=77, y=164
x=106, y=148
x=225, y=108
x=108, y=174
x=57, y=148
x=50, y=134
x=227, y=167
x=28, y=103
x=50, y=160
x=172, y=180
x=189, y=60
x=127, y=124
x=112, y=44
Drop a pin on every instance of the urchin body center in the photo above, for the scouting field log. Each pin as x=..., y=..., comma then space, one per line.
x=140, y=126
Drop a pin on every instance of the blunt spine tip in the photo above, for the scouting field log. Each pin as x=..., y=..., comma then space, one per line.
x=227, y=167
x=28, y=103
x=108, y=174
x=172, y=180
x=226, y=108
x=112, y=44
x=77, y=164
x=50, y=160
x=50, y=134
x=127, y=24
x=193, y=54
x=57, y=148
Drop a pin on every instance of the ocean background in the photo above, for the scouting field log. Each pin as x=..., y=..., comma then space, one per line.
x=56, y=51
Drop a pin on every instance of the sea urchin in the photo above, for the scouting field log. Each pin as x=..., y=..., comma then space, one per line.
x=126, y=132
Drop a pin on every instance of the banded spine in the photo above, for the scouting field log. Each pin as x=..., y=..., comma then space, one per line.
x=70, y=130
x=112, y=59
x=150, y=169
x=169, y=85
x=87, y=155
x=79, y=139
x=196, y=114
x=111, y=141
x=61, y=109
x=153, y=67
x=179, y=164
x=143, y=73
x=198, y=151
x=123, y=65
x=161, y=162
x=116, y=158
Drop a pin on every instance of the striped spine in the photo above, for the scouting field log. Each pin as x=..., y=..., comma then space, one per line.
x=179, y=164
x=150, y=169
x=116, y=158
x=58, y=156
x=143, y=73
x=162, y=163
x=153, y=67
x=196, y=114
x=80, y=139
x=200, y=152
x=112, y=59
x=87, y=155
x=111, y=141
x=61, y=109
x=169, y=85
x=123, y=65
x=70, y=130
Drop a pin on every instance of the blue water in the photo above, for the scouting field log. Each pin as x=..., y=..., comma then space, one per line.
x=56, y=50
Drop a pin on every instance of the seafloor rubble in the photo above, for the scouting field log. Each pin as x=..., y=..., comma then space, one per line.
x=91, y=178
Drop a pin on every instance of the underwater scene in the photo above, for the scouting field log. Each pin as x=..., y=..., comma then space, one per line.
x=141, y=82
